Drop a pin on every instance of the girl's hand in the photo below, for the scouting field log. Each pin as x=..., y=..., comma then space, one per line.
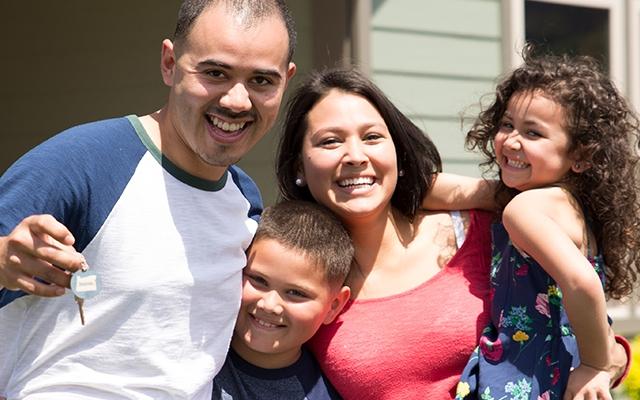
x=586, y=383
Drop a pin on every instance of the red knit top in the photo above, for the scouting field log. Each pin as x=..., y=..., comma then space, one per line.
x=412, y=345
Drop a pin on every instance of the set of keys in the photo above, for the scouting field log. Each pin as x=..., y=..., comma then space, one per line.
x=84, y=285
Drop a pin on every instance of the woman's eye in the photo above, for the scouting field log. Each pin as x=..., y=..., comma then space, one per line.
x=328, y=141
x=372, y=136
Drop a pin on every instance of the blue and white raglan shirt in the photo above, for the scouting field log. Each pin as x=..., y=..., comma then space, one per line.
x=169, y=248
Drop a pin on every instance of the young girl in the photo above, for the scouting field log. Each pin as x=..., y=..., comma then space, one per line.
x=566, y=146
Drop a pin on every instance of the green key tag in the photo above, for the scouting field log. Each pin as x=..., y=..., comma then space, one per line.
x=85, y=284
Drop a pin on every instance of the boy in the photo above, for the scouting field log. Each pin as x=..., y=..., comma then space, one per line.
x=293, y=283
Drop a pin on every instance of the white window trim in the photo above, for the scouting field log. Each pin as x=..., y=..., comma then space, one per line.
x=513, y=12
x=633, y=50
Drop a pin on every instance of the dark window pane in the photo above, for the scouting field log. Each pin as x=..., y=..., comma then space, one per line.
x=559, y=29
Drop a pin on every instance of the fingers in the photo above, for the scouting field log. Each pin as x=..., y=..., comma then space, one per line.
x=37, y=257
x=25, y=268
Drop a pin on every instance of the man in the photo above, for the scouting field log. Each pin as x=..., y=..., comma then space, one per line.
x=153, y=206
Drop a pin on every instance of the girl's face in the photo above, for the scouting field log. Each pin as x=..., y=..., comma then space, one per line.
x=532, y=144
x=348, y=156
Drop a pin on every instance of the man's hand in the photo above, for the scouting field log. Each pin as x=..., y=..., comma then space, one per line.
x=587, y=383
x=39, y=247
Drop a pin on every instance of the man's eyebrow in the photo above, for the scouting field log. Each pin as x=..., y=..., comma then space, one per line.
x=274, y=73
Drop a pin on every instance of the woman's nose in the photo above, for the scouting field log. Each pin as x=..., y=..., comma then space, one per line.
x=355, y=153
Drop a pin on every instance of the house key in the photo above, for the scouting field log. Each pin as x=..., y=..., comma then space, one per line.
x=84, y=285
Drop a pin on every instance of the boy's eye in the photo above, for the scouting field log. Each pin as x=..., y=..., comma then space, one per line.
x=297, y=293
x=257, y=280
x=533, y=134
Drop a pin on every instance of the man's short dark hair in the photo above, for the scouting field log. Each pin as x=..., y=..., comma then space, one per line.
x=251, y=10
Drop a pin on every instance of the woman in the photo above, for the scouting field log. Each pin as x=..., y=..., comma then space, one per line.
x=419, y=280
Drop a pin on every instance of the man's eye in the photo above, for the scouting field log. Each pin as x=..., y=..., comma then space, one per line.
x=215, y=74
x=262, y=81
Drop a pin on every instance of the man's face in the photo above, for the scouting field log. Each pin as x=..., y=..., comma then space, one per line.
x=227, y=79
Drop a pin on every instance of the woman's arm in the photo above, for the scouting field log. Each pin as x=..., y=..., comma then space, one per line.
x=621, y=360
x=457, y=192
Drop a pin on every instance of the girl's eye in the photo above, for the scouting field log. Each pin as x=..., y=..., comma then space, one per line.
x=506, y=125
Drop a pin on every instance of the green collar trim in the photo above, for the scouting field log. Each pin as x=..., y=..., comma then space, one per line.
x=175, y=171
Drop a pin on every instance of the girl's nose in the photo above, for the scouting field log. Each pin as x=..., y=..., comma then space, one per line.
x=513, y=142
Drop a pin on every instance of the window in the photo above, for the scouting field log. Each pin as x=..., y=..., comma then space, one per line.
x=578, y=27
x=561, y=28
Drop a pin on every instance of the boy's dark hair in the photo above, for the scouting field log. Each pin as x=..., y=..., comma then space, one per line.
x=417, y=156
x=312, y=230
x=603, y=132
x=251, y=11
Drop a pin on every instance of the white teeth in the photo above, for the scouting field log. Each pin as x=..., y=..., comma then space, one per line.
x=364, y=180
x=516, y=163
x=226, y=126
x=265, y=323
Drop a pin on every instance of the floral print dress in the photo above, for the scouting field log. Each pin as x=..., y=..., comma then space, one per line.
x=528, y=348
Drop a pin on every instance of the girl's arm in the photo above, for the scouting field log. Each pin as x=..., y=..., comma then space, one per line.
x=532, y=220
x=457, y=192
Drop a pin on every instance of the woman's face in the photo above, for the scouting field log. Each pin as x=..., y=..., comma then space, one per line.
x=348, y=156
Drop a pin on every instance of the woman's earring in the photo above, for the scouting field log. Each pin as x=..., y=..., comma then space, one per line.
x=299, y=182
x=401, y=172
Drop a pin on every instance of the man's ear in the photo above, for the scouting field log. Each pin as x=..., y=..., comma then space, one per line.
x=167, y=62
x=338, y=302
x=291, y=71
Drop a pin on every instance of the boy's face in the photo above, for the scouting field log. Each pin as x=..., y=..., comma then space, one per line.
x=285, y=299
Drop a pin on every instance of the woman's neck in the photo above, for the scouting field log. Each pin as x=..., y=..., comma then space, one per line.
x=381, y=239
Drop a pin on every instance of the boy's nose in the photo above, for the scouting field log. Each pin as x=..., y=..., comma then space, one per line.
x=271, y=303
x=236, y=99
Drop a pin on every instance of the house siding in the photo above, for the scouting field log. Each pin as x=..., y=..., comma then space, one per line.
x=436, y=59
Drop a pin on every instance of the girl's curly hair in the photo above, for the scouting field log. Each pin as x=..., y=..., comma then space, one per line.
x=603, y=131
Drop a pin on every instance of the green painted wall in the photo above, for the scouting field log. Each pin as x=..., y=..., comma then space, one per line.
x=436, y=59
